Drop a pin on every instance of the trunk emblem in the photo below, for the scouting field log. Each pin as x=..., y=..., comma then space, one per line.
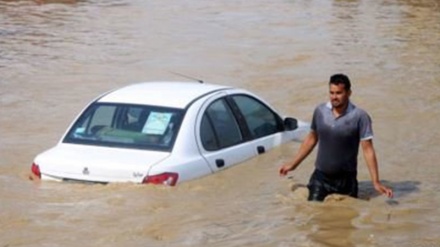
x=86, y=171
x=137, y=174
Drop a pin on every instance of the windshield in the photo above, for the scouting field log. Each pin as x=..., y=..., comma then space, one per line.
x=128, y=126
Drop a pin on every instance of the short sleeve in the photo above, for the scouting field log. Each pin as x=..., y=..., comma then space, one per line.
x=365, y=126
x=314, y=119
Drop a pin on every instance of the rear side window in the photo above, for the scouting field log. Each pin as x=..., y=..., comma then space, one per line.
x=260, y=120
x=219, y=129
x=129, y=126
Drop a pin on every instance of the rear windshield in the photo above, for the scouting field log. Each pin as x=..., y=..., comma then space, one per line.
x=127, y=126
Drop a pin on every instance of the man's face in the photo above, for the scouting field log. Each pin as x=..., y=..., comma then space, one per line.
x=339, y=95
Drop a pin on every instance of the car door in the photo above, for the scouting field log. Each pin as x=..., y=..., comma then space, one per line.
x=221, y=140
x=264, y=126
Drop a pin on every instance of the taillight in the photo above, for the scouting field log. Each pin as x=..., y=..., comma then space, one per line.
x=36, y=170
x=167, y=178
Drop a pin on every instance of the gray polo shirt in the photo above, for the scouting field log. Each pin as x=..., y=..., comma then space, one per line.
x=338, y=138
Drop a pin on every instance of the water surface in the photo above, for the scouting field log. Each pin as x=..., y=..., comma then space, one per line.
x=56, y=56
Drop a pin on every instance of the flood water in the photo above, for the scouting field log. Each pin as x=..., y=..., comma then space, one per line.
x=56, y=56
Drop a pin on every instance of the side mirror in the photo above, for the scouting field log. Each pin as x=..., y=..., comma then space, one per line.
x=290, y=123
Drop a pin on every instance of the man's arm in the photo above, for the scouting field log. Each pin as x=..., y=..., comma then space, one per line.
x=306, y=148
x=371, y=160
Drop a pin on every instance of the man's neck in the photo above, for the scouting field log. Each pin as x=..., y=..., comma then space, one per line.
x=338, y=111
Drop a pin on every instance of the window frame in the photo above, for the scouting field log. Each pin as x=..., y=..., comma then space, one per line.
x=240, y=119
x=279, y=121
x=214, y=129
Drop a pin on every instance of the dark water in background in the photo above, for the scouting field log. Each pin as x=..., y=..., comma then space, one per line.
x=57, y=56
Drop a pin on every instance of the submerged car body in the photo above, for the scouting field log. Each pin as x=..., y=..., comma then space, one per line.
x=165, y=133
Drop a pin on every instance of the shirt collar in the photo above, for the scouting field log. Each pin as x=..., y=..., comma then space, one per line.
x=350, y=106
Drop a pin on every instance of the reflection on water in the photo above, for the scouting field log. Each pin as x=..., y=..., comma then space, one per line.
x=56, y=56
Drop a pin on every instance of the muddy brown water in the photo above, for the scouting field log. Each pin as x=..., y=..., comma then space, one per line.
x=56, y=56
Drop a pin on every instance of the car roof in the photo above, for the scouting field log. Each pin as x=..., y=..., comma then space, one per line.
x=167, y=94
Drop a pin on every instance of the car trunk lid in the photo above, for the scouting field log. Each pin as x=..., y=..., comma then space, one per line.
x=97, y=164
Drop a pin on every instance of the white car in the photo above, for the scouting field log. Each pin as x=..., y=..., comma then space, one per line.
x=165, y=133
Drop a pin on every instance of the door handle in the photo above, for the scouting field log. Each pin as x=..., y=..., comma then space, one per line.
x=219, y=163
x=261, y=149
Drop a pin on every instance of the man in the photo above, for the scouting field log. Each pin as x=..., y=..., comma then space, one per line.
x=338, y=126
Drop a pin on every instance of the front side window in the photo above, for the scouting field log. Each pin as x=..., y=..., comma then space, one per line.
x=130, y=126
x=219, y=129
x=260, y=120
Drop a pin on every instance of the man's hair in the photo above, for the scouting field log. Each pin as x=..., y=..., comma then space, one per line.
x=341, y=79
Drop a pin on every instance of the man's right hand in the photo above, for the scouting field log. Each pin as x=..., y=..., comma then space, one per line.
x=306, y=147
x=285, y=169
